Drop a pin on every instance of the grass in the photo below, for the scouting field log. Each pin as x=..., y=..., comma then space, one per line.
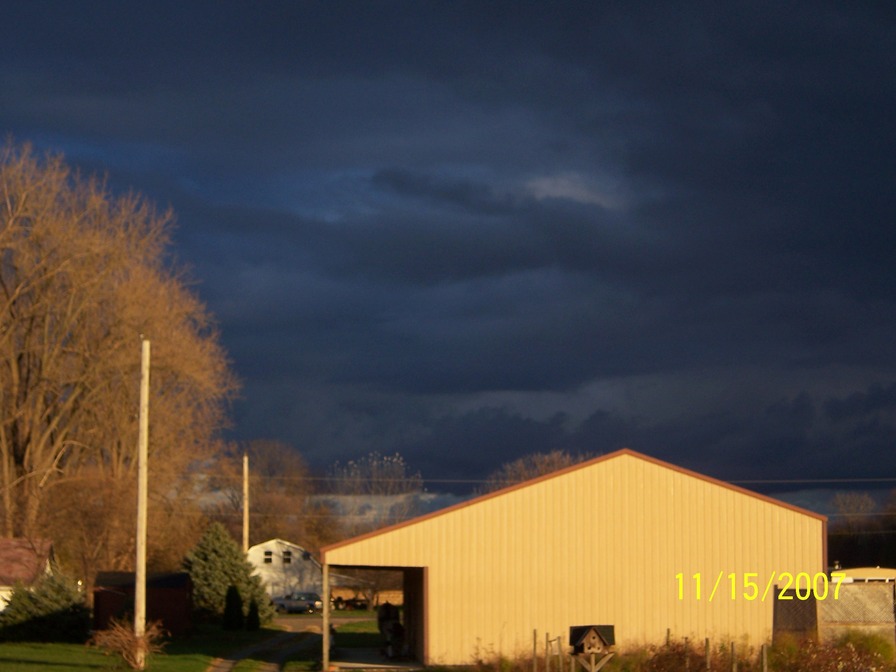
x=192, y=654
x=188, y=654
x=26, y=657
x=301, y=666
x=358, y=634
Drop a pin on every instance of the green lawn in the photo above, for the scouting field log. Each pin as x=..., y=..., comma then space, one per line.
x=37, y=657
x=358, y=634
x=193, y=654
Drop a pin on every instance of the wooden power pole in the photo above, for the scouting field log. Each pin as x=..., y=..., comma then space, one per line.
x=245, y=502
x=142, y=487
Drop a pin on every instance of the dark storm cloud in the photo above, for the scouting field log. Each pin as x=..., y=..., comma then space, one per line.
x=439, y=227
x=876, y=399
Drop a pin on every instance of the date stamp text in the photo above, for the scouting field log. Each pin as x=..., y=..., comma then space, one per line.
x=751, y=586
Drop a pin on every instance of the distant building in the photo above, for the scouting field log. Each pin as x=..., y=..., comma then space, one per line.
x=867, y=574
x=22, y=561
x=624, y=540
x=860, y=599
x=285, y=567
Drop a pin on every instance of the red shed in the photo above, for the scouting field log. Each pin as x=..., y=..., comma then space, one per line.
x=169, y=598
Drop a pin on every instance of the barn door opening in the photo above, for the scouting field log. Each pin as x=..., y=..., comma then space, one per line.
x=414, y=588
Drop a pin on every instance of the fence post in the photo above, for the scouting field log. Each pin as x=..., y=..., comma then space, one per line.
x=547, y=652
x=765, y=658
x=559, y=654
x=687, y=655
x=707, y=654
x=733, y=659
x=535, y=650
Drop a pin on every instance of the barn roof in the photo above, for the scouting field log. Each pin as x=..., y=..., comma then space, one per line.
x=561, y=472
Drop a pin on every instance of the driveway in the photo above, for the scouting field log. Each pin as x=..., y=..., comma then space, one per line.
x=273, y=653
x=300, y=634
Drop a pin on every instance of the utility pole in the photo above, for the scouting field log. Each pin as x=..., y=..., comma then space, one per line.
x=142, y=487
x=245, y=502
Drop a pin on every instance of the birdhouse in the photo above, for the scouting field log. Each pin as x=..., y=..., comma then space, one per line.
x=596, y=639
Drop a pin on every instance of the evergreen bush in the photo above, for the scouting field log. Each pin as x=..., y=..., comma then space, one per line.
x=253, y=621
x=233, y=609
x=215, y=564
x=52, y=610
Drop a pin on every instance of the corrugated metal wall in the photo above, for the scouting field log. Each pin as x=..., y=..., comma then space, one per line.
x=599, y=543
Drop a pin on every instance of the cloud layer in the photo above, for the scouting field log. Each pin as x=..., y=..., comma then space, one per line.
x=470, y=231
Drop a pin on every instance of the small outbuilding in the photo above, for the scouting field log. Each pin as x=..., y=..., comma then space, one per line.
x=169, y=599
x=624, y=539
x=857, y=600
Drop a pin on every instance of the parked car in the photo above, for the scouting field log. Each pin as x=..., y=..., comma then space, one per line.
x=351, y=604
x=298, y=603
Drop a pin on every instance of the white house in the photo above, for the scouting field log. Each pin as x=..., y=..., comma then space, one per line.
x=285, y=567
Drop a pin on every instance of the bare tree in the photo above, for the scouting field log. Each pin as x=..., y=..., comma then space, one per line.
x=375, y=474
x=854, y=512
x=373, y=491
x=528, y=467
x=857, y=534
x=83, y=275
x=280, y=495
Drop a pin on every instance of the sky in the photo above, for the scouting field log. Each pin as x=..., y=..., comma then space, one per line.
x=466, y=232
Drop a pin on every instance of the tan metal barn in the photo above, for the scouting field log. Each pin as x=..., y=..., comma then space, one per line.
x=622, y=539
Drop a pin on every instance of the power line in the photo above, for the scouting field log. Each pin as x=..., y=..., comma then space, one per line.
x=815, y=480
x=480, y=481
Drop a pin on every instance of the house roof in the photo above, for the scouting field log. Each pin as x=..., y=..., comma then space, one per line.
x=23, y=560
x=581, y=465
x=277, y=542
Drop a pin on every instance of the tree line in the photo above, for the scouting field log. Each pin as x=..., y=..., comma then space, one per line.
x=862, y=530
x=84, y=276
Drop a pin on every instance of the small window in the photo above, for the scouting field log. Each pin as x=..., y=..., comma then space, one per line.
x=268, y=557
x=287, y=557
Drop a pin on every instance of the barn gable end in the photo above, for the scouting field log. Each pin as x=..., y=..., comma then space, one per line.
x=617, y=540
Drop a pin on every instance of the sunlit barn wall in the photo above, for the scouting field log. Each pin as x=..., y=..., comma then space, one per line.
x=599, y=543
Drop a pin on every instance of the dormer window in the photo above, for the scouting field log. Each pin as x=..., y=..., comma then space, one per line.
x=287, y=557
x=268, y=557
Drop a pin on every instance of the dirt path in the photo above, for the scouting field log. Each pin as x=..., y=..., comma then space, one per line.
x=300, y=635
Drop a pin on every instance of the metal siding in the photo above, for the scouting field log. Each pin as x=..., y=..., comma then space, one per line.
x=597, y=544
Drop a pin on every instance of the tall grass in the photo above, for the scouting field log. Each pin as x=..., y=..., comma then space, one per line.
x=854, y=652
